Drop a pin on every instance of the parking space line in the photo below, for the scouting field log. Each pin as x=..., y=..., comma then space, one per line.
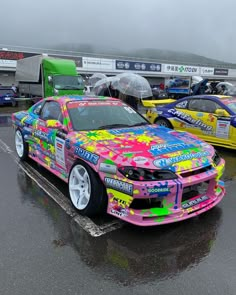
x=86, y=223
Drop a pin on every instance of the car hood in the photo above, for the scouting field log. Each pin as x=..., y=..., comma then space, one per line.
x=149, y=146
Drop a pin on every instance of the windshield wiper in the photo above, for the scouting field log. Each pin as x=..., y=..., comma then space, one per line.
x=140, y=124
x=113, y=126
x=70, y=87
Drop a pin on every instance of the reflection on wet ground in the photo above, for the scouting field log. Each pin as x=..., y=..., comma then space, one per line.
x=131, y=255
x=5, y=120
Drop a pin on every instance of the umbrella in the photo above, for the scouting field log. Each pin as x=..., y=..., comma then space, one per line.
x=226, y=84
x=133, y=85
x=102, y=85
x=96, y=77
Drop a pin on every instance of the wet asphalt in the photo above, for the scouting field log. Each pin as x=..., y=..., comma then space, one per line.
x=44, y=251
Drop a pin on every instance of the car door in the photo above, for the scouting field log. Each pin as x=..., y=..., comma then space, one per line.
x=210, y=121
x=51, y=139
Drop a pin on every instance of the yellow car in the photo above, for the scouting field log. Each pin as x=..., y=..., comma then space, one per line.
x=210, y=117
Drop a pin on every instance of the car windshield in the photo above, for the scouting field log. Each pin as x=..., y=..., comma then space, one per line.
x=6, y=91
x=232, y=106
x=94, y=115
x=68, y=82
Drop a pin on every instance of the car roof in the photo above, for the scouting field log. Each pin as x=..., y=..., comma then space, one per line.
x=68, y=98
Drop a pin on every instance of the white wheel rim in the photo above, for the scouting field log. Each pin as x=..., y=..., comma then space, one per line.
x=19, y=142
x=79, y=187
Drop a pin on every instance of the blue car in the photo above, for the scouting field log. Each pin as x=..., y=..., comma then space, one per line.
x=7, y=96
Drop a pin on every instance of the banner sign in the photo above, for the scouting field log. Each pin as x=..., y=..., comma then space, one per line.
x=137, y=66
x=181, y=69
x=13, y=55
x=207, y=71
x=221, y=72
x=92, y=63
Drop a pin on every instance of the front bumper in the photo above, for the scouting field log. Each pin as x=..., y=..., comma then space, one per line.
x=174, y=207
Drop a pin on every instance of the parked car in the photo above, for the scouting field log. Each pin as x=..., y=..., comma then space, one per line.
x=210, y=117
x=7, y=96
x=114, y=160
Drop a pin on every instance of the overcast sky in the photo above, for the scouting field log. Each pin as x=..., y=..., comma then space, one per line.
x=205, y=27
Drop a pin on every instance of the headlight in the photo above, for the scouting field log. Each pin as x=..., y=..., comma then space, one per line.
x=141, y=174
x=216, y=159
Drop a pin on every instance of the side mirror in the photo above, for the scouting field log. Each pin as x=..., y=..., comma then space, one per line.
x=56, y=92
x=54, y=124
x=221, y=112
x=50, y=79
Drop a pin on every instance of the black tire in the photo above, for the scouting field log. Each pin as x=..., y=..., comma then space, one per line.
x=23, y=154
x=163, y=122
x=97, y=202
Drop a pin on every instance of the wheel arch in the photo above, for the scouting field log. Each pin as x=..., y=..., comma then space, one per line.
x=163, y=118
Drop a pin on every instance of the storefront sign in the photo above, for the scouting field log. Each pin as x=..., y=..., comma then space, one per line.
x=221, y=72
x=207, y=71
x=181, y=69
x=137, y=66
x=97, y=63
x=13, y=55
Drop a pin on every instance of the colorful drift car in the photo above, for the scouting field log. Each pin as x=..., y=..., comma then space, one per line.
x=113, y=159
x=210, y=117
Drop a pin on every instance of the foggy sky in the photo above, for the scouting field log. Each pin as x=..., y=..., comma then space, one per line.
x=202, y=27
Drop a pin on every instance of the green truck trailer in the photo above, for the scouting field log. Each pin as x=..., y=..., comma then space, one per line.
x=43, y=76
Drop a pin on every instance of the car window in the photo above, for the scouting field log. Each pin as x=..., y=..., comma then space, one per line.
x=182, y=104
x=51, y=111
x=37, y=108
x=195, y=105
x=203, y=105
x=6, y=91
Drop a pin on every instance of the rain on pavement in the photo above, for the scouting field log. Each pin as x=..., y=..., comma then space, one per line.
x=47, y=249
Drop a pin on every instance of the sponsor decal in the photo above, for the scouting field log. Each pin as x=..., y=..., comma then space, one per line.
x=160, y=149
x=122, y=202
x=140, y=160
x=223, y=128
x=119, y=185
x=120, y=212
x=41, y=135
x=170, y=161
x=108, y=168
x=60, y=151
x=86, y=155
x=192, y=203
x=187, y=118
